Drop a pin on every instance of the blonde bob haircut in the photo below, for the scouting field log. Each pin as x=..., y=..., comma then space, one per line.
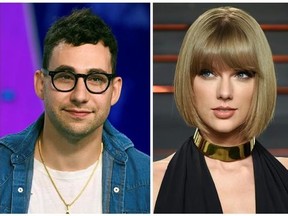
x=229, y=37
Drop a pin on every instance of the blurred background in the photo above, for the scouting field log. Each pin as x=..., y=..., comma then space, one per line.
x=170, y=22
x=23, y=28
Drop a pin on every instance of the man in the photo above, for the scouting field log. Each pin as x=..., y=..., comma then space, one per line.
x=72, y=160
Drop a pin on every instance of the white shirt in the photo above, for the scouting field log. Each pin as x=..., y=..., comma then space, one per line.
x=45, y=199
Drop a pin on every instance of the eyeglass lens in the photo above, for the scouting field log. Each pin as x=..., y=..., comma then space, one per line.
x=66, y=81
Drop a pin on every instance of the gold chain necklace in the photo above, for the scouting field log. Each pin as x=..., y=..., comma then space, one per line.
x=67, y=205
x=223, y=153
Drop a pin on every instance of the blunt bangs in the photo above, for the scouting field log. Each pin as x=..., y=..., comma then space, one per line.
x=226, y=45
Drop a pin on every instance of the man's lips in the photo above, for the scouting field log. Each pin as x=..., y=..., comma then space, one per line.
x=78, y=113
x=224, y=112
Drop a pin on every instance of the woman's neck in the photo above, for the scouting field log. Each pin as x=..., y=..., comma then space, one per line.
x=229, y=139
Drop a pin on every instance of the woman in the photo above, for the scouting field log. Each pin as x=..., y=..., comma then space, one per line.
x=225, y=86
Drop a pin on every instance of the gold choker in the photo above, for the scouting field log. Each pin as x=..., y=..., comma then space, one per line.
x=226, y=154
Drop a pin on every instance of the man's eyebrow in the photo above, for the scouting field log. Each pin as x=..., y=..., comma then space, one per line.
x=64, y=68
x=97, y=70
x=72, y=69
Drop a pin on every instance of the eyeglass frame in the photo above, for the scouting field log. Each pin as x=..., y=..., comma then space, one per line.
x=77, y=76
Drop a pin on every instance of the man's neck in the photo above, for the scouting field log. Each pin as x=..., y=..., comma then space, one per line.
x=66, y=154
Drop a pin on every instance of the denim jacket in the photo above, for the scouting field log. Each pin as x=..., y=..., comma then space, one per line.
x=125, y=177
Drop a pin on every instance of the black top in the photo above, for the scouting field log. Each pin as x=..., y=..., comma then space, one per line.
x=188, y=187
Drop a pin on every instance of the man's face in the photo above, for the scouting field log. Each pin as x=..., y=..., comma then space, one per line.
x=77, y=113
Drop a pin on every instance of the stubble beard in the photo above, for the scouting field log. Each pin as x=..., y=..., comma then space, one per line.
x=75, y=130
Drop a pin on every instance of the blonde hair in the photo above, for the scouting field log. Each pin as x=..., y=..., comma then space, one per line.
x=236, y=39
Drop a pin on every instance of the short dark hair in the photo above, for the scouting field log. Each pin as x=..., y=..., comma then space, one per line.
x=81, y=27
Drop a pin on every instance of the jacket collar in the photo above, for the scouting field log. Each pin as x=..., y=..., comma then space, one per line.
x=22, y=144
x=115, y=142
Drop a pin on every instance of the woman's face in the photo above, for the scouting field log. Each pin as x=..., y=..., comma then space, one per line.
x=223, y=97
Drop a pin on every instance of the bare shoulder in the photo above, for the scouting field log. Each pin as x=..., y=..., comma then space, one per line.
x=284, y=161
x=159, y=169
x=161, y=165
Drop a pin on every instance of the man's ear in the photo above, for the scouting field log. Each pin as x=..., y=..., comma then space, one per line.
x=117, y=86
x=39, y=84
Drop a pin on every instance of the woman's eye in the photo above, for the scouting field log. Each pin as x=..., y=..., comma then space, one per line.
x=206, y=73
x=245, y=74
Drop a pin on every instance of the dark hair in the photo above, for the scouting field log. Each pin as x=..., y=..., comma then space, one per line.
x=81, y=27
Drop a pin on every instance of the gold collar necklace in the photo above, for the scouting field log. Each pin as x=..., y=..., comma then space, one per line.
x=223, y=153
x=67, y=205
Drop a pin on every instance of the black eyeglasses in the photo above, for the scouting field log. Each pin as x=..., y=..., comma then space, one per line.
x=65, y=81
